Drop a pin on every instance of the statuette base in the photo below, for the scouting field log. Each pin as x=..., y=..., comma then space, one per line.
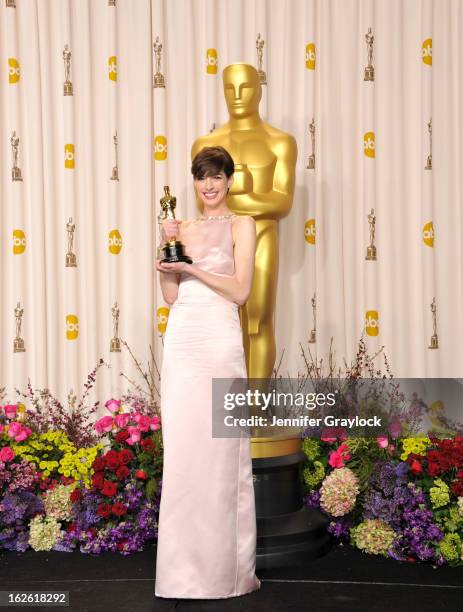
x=16, y=174
x=158, y=80
x=71, y=260
x=115, y=345
x=18, y=346
x=369, y=73
x=434, y=342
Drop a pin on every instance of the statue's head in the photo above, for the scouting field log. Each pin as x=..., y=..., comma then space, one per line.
x=242, y=89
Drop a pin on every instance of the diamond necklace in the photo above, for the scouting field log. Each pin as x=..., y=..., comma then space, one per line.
x=228, y=216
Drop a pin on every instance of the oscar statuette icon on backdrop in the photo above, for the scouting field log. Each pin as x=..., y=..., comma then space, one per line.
x=265, y=159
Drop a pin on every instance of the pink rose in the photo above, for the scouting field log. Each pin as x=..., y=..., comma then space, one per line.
x=14, y=429
x=134, y=435
x=338, y=457
x=23, y=434
x=104, y=424
x=122, y=420
x=6, y=454
x=155, y=423
x=10, y=411
x=1, y=428
x=144, y=423
x=382, y=441
x=113, y=405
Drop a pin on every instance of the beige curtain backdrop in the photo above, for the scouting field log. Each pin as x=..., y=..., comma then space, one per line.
x=371, y=147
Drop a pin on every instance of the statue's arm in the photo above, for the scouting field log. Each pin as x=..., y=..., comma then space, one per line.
x=276, y=203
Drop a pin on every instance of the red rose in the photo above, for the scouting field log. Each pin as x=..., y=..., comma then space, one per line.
x=92, y=531
x=76, y=495
x=98, y=464
x=104, y=510
x=122, y=472
x=122, y=436
x=433, y=469
x=71, y=527
x=147, y=444
x=109, y=488
x=119, y=509
x=416, y=467
x=457, y=488
x=112, y=460
x=98, y=480
x=141, y=474
x=125, y=456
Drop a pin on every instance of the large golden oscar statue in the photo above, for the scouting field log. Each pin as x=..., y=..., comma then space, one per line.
x=265, y=161
x=265, y=158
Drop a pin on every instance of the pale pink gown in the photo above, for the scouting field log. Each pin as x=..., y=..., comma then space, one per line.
x=207, y=524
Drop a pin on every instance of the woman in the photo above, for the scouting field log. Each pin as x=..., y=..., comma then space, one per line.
x=207, y=525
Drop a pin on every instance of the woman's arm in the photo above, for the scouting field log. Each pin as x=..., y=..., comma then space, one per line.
x=169, y=285
x=238, y=286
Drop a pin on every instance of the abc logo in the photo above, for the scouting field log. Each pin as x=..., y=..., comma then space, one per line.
x=160, y=148
x=69, y=156
x=371, y=322
x=162, y=316
x=428, y=234
x=211, y=61
x=426, y=51
x=72, y=327
x=115, y=242
x=369, y=144
x=112, y=67
x=15, y=72
x=19, y=241
x=310, y=56
x=309, y=231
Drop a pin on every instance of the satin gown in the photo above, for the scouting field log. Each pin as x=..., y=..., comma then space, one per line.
x=207, y=523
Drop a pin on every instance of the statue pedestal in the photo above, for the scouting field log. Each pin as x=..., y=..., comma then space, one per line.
x=288, y=532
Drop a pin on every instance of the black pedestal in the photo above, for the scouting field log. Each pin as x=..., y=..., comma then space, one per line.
x=288, y=532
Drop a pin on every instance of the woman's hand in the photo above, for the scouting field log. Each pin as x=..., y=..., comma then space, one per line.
x=170, y=229
x=176, y=267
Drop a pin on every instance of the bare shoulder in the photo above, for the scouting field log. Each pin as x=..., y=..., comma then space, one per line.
x=244, y=221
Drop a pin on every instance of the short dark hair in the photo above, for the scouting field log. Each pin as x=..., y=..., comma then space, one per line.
x=210, y=161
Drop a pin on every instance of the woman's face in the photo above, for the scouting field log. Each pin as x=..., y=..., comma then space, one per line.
x=212, y=190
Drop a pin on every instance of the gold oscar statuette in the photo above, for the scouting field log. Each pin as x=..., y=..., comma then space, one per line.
x=15, y=170
x=260, y=60
x=371, y=248
x=311, y=162
x=173, y=250
x=115, y=340
x=18, y=345
x=71, y=259
x=313, y=332
x=67, y=85
x=429, y=159
x=115, y=173
x=158, y=78
x=10, y=3
x=263, y=187
x=111, y=2
x=434, y=344
x=369, y=69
